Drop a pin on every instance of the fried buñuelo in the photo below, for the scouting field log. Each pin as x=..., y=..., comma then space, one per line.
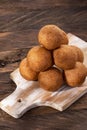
x=65, y=57
x=76, y=76
x=51, y=79
x=79, y=53
x=39, y=59
x=51, y=37
x=26, y=71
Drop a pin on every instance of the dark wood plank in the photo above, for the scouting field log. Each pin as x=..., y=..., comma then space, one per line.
x=20, y=21
x=38, y=4
x=17, y=26
x=52, y=121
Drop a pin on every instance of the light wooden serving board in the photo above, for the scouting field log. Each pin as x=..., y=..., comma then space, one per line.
x=28, y=94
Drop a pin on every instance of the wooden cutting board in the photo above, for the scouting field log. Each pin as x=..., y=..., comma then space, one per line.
x=28, y=94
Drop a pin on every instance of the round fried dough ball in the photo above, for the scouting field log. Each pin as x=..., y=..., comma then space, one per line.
x=76, y=76
x=51, y=37
x=51, y=79
x=26, y=71
x=79, y=53
x=39, y=59
x=64, y=57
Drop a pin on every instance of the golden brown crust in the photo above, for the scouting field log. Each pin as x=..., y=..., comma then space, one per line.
x=76, y=76
x=64, y=57
x=54, y=50
x=39, y=58
x=64, y=40
x=26, y=71
x=79, y=53
x=51, y=37
x=50, y=80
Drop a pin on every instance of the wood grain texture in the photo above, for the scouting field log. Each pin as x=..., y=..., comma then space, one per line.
x=20, y=21
x=28, y=94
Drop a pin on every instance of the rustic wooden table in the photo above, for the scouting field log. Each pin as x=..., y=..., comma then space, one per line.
x=20, y=21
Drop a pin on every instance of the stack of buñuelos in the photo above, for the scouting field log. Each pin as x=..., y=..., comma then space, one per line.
x=54, y=62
